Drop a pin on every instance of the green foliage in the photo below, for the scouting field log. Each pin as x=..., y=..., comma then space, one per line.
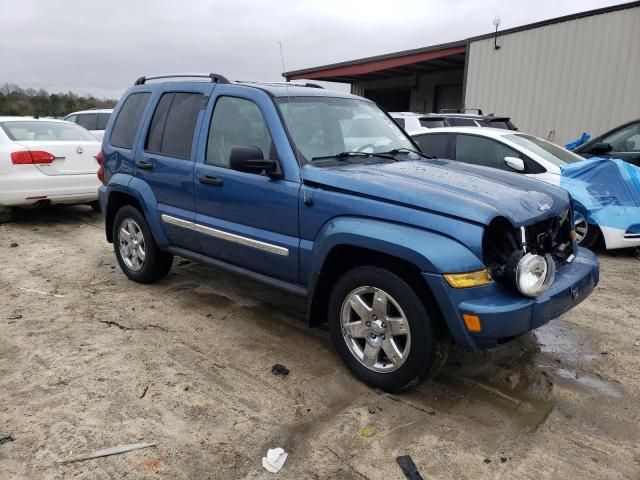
x=17, y=101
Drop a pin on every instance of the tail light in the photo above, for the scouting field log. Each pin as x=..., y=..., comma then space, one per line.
x=100, y=160
x=26, y=157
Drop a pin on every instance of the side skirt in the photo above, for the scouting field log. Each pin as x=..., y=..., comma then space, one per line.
x=292, y=288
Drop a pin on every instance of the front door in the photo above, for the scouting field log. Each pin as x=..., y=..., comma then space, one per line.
x=245, y=219
x=167, y=157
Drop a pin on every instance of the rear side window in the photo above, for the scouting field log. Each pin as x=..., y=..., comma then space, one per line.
x=88, y=120
x=173, y=124
x=72, y=118
x=434, y=145
x=103, y=118
x=462, y=122
x=126, y=126
x=432, y=122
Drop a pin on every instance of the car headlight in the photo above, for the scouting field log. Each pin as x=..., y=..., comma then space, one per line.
x=535, y=274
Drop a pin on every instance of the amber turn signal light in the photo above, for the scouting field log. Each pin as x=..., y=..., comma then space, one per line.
x=469, y=279
x=472, y=322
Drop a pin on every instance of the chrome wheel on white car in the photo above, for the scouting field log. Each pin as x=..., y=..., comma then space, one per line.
x=581, y=226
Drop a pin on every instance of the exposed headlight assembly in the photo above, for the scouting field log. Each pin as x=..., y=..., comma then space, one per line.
x=532, y=274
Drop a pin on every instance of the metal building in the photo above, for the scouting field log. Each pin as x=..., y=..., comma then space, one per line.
x=555, y=79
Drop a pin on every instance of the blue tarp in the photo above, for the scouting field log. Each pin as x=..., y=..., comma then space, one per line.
x=607, y=189
x=584, y=138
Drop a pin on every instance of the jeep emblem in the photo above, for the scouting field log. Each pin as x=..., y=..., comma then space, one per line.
x=543, y=207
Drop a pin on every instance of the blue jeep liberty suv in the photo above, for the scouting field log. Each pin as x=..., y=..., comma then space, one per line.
x=321, y=194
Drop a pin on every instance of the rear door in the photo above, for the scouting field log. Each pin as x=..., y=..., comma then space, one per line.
x=165, y=161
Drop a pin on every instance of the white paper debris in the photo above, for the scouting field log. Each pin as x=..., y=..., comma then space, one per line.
x=40, y=293
x=274, y=460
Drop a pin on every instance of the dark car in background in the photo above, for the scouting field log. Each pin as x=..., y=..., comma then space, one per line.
x=621, y=142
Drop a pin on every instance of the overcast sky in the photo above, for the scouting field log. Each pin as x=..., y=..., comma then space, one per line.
x=101, y=47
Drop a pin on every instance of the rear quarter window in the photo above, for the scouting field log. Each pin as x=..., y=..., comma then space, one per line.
x=399, y=121
x=103, y=119
x=88, y=120
x=128, y=120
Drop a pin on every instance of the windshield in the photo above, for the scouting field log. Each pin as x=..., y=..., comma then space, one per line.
x=548, y=151
x=326, y=126
x=42, y=131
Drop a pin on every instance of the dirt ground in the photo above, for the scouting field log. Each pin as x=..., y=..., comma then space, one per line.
x=90, y=360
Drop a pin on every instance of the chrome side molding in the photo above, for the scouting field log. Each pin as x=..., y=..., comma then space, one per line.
x=227, y=236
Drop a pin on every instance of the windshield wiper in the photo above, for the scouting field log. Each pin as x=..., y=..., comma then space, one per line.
x=345, y=155
x=396, y=151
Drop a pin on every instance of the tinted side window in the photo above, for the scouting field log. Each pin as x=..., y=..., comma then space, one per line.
x=434, y=145
x=483, y=151
x=88, y=120
x=399, y=121
x=236, y=122
x=72, y=118
x=103, y=118
x=173, y=124
x=126, y=126
x=462, y=122
x=432, y=122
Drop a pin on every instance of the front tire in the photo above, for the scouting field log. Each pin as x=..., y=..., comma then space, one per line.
x=383, y=330
x=587, y=233
x=137, y=252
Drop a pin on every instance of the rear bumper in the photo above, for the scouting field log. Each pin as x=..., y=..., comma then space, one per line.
x=29, y=188
x=505, y=314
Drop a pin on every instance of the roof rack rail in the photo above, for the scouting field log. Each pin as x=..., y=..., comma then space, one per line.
x=310, y=85
x=215, y=78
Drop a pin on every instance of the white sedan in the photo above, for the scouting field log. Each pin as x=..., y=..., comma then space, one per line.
x=45, y=161
x=521, y=153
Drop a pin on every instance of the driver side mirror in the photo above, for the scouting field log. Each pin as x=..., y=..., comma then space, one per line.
x=515, y=163
x=250, y=160
x=600, y=148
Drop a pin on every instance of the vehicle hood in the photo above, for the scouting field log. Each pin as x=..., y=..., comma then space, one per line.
x=469, y=192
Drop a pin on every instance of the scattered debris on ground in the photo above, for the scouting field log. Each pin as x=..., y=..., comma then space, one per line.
x=274, y=460
x=279, y=369
x=405, y=462
x=368, y=431
x=13, y=245
x=108, y=451
x=6, y=437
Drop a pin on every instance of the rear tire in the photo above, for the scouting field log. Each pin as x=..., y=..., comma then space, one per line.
x=95, y=206
x=373, y=311
x=137, y=252
x=6, y=214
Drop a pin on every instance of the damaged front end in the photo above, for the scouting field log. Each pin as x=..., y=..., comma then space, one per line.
x=526, y=259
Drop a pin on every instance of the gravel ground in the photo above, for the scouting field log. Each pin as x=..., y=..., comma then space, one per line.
x=90, y=360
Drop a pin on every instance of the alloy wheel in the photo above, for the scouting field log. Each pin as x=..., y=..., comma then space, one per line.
x=375, y=329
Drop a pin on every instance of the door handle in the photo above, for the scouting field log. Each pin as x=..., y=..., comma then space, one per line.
x=211, y=180
x=144, y=165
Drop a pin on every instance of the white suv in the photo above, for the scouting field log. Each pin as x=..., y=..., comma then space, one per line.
x=94, y=120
